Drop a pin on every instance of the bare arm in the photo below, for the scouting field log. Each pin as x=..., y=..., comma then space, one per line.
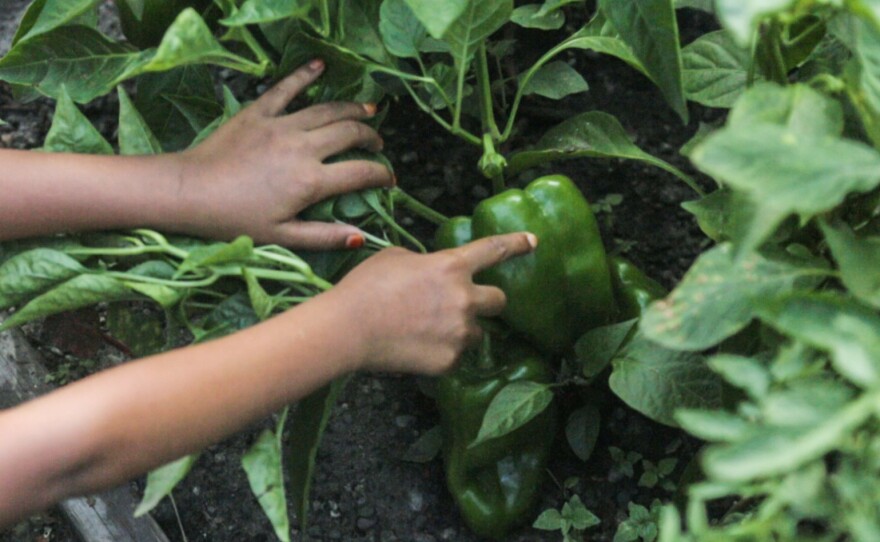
x=398, y=311
x=252, y=176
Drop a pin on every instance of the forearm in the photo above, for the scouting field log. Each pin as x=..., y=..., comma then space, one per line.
x=46, y=193
x=121, y=423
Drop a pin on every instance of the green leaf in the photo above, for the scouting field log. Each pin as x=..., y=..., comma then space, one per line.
x=854, y=255
x=161, y=482
x=267, y=11
x=310, y=420
x=556, y=80
x=402, y=32
x=169, y=118
x=48, y=15
x=514, y=406
x=715, y=70
x=816, y=176
x=597, y=347
x=868, y=53
x=135, y=137
x=689, y=318
x=712, y=425
x=742, y=17
x=426, y=448
x=237, y=251
x=263, y=465
x=83, y=60
x=806, y=402
x=593, y=134
x=657, y=381
x=479, y=20
x=33, y=272
x=600, y=35
x=71, y=131
x=80, y=291
x=549, y=520
x=189, y=41
x=533, y=16
x=581, y=518
x=262, y=303
x=849, y=332
x=723, y=215
x=142, y=332
x=650, y=28
x=747, y=374
x=582, y=431
x=773, y=451
x=438, y=17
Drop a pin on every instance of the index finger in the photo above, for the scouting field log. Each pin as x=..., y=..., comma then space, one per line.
x=275, y=99
x=488, y=251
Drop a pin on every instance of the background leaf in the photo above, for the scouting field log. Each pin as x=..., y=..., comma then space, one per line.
x=161, y=482
x=514, y=406
x=715, y=69
x=71, y=131
x=135, y=137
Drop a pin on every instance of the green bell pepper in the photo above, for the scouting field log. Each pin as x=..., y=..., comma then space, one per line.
x=144, y=22
x=563, y=289
x=633, y=289
x=495, y=483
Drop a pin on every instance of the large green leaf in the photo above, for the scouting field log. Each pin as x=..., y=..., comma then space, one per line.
x=439, y=16
x=849, y=332
x=868, y=52
x=309, y=421
x=401, y=30
x=234, y=252
x=135, y=137
x=78, y=292
x=71, y=131
x=479, y=20
x=650, y=28
x=657, y=381
x=161, y=482
x=46, y=15
x=715, y=69
x=189, y=41
x=533, y=16
x=718, y=297
x=32, y=272
x=263, y=465
x=83, y=60
x=815, y=176
x=798, y=108
x=742, y=17
x=593, y=134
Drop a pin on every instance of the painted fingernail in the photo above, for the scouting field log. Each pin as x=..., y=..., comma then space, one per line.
x=370, y=108
x=354, y=241
x=316, y=65
x=533, y=240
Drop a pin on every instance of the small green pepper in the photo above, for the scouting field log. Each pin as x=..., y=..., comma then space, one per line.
x=495, y=483
x=633, y=289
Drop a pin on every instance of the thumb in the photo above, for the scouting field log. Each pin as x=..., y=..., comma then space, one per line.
x=319, y=236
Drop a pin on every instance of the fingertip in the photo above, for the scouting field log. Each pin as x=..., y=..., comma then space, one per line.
x=532, y=239
x=355, y=241
x=316, y=65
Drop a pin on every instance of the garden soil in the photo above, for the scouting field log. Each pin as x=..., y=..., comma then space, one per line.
x=364, y=490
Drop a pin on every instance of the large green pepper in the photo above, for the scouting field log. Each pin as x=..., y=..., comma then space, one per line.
x=144, y=22
x=563, y=289
x=633, y=289
x=494, y=484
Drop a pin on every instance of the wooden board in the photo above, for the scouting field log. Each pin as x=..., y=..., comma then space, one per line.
x=107, y=517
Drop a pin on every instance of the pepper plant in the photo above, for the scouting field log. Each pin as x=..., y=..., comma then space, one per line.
x=452, y=60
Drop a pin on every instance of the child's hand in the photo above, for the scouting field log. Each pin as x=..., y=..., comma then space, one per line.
x=256, y=172
x=417, y=313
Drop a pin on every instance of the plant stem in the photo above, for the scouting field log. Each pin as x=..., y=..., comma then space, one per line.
x=460, y=132
x=417, y=207
x=487, y=107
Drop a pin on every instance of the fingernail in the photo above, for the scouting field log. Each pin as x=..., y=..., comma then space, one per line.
x=370, y=108
x=316, y=65
x=354, y=241
x=533, y=240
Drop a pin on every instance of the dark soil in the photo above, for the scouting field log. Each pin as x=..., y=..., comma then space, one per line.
x=363, y=490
